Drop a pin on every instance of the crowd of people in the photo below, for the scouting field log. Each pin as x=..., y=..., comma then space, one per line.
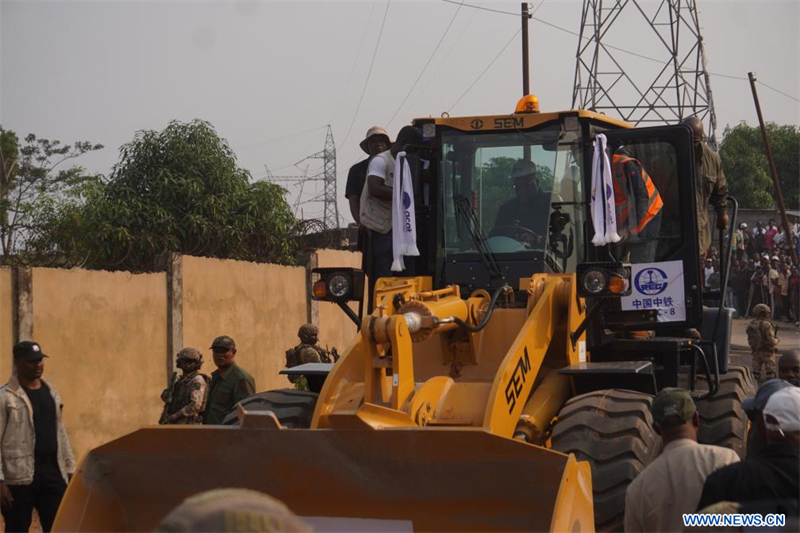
x=688, y=477
x=762, y=271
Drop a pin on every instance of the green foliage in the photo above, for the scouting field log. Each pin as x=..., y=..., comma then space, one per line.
x=33, y=180
x=746, y=166
x=177, y=190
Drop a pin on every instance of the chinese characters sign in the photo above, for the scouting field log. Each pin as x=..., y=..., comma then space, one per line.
x=658, y=286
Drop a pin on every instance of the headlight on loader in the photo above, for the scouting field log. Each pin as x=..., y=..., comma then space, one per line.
x=337, y=284
x=604, y=280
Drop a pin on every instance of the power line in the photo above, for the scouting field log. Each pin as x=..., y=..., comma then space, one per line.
x=446, y=57
x=779, y=92
x=369, y=73
x=281, y=138
x=487, y=68
x=436, y=49
x=355, y=64
x=610, y=46
x=482, y=8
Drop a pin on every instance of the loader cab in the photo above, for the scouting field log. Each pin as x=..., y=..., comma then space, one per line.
x=484, y=222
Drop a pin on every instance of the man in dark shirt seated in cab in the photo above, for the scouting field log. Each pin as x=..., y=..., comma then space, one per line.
x=525, y=216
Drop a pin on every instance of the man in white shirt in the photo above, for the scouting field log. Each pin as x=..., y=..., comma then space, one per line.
x=376, y=205
x=672, y=484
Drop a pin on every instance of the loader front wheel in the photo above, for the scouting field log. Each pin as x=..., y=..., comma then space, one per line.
x=612, y=430
x=723, y=422
x=293, y=408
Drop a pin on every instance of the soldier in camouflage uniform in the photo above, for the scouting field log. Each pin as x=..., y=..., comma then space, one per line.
x=308, y=351
x=762, y=340
x=186, y=399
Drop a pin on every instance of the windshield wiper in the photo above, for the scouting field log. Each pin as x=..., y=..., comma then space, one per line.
x=465, y=214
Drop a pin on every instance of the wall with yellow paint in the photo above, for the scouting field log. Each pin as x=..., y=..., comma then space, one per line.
x=260, y=306
x=6, y=323
x=105, y=333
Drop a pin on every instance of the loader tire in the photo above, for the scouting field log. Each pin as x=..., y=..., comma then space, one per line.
x=293, y=408
x=723, y=422
x=613, y=430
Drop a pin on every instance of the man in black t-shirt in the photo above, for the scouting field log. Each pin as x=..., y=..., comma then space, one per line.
x=526, y=216
x=36, y=456
x=376, y=141
x=773, y=474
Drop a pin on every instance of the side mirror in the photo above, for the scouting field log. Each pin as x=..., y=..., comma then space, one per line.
x=337, y=284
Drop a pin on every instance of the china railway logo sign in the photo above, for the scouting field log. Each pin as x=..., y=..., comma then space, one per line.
x=476, y=124
x=651, y=281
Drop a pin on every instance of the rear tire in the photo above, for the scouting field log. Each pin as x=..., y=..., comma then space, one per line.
x=723, y=422
x=613, y=430
x=293, y=408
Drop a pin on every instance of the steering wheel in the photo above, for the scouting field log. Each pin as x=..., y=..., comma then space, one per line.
x=514, y=231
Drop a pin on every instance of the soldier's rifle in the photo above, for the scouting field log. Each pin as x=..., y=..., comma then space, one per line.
x=168, y=398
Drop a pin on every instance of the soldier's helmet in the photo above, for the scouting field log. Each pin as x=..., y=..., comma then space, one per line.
x=761, y=311
x=308, y=333
x=190, y=354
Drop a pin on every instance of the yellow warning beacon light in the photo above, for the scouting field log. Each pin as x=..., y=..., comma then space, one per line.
x=528, y=104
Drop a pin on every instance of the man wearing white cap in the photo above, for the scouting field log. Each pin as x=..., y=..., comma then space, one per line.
x=773, y=475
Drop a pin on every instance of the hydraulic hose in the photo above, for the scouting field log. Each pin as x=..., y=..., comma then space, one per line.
x=492, y=303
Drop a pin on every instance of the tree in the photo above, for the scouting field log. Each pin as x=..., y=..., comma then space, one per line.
x=746, y=167
x=31, y=178
x=177, y=190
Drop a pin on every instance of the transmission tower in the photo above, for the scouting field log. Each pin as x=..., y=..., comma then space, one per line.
x=614, y=79
x=327, y=176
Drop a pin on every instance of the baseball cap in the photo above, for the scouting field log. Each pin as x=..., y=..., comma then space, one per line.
x=374, y=130
x=223, y=341
x=28, y=351
x=672, y=407
x=743, y=225
x=784, y=407
x=756, y=403
x=232, y=510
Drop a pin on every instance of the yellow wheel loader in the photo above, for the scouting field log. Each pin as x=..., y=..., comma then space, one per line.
x=503, y=381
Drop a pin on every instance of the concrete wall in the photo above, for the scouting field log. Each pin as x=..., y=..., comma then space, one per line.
x=6, y=322
x=259, y=305
x=106, y=336
x=112, y=336
x=335, y=329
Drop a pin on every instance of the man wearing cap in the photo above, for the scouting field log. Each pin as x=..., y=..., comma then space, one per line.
x=185, y=400
x=230, y=383
x=376, y=141
x=528, y=210
x=671, y=485
x=773, y=475
x=376, y=204
x=36, y=456
x=754, y=407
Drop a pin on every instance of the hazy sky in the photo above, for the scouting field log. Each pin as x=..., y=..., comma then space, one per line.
x=270, y=75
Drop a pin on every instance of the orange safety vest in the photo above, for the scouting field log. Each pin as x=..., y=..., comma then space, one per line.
x=635, y=192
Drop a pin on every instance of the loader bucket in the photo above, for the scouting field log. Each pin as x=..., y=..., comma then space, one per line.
x=432, y=479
